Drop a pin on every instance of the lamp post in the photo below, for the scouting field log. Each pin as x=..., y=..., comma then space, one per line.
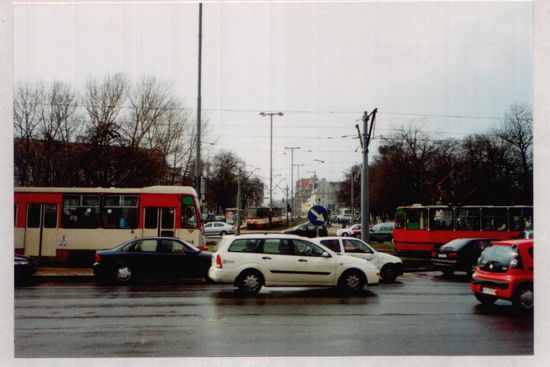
x=271, y=114
x=292, y=181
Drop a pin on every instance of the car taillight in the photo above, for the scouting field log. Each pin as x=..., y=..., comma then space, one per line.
x=219, y=263
x=451, y=255
x=97, y=257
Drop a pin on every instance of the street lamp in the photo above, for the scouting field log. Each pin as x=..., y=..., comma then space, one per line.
x=271, y=114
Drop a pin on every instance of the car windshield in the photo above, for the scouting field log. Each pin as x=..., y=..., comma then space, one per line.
x=498, y=255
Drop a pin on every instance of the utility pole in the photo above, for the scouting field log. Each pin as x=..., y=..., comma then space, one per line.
x=298, y=180
x=238, y=229
x=271, y=114
x=292, y=209
x=352, y=201
x=199, y=102
x=287, y=216
x=365, y=140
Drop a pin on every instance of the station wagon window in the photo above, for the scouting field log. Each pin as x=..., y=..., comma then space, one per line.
x=80, y=211
x=494, y=219
x=245, y=245
x=334, y=245
x=441, y=218
x=120, y=211
x=276, y=246
x=467, y=219
x=188, y=213
x=303, y=248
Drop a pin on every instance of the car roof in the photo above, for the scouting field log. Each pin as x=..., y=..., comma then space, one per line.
x=266, y=235
x=336, y=238
x=519, y=243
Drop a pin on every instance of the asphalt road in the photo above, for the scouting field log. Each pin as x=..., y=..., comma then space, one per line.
x=422, y=314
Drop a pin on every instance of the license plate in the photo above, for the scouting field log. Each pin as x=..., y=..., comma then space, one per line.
x=491, y=291
x=442, y=255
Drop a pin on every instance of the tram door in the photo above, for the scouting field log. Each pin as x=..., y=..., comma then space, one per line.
x=41, y=230
x=159, y=222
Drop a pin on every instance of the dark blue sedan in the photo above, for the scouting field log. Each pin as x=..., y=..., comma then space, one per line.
x=151, y=257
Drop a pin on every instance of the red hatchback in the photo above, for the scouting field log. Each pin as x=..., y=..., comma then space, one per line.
x=505, y=271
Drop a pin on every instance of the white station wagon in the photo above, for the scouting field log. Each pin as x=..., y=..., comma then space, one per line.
x=278, y=260
x=390, y=266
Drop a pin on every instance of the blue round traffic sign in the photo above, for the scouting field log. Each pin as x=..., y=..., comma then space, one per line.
x=317, y=215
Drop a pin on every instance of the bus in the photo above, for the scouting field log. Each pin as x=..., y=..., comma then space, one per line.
x=63, y=224
x=421, y=229
x=258, y=218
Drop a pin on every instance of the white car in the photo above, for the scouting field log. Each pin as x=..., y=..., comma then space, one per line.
x=278, y=260
x=350, y=231
x=390, y=266
x=218, y=229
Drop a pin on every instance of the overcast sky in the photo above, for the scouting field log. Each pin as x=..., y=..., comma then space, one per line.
x=322, y=64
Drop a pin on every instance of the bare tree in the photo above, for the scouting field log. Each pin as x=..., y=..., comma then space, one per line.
x=26, y=111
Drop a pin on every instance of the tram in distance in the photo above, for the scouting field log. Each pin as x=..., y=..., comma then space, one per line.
x=258, y=217
x=421, y=229
x=61, y=224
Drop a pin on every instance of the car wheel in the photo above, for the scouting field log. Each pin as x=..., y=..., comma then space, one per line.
x=123, y=273
x=485, y=299
x=388, y=273
x=524, y=299
x=250, y=282
x=448, y=272
x=352, y=281
x=223, y=233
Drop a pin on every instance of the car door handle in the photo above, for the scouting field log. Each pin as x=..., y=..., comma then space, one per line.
x=302, y=260
x=266, y=258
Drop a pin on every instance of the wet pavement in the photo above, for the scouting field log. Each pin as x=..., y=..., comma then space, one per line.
x=422, y=314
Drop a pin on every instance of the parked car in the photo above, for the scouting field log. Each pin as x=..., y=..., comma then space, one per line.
x=151, y=257
x=505, y=271
x=252, y=261
x=24, y=268
x=381, y=232
x=390, y=266
x=218, y=229
x=307, y=230
x=353, y=231
x=460, y=254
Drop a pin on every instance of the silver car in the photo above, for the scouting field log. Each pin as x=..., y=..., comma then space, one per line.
x=218, y=229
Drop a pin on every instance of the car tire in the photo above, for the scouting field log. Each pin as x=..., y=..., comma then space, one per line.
x=250, y=282
x=485, y=298
x=352, y=281
x=448, y=272
x=123, y=273
x=389, y=273
x=523, y=299
x=223, y=233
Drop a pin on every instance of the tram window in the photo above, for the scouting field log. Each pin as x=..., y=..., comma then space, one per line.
x=120, y=211
x=151, y=218
x=467, y=219
x=441, y=218
x=416, y=218
x=400, y=218
x=188, y=213
x=167, y=218
x=33, y=216
x=494, y=219
x=50, y=216
x=521, y=219
x=80, y=211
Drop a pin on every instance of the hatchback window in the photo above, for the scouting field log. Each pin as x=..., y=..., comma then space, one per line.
x=334, y=245
x=499, y=258
x=355, y=246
